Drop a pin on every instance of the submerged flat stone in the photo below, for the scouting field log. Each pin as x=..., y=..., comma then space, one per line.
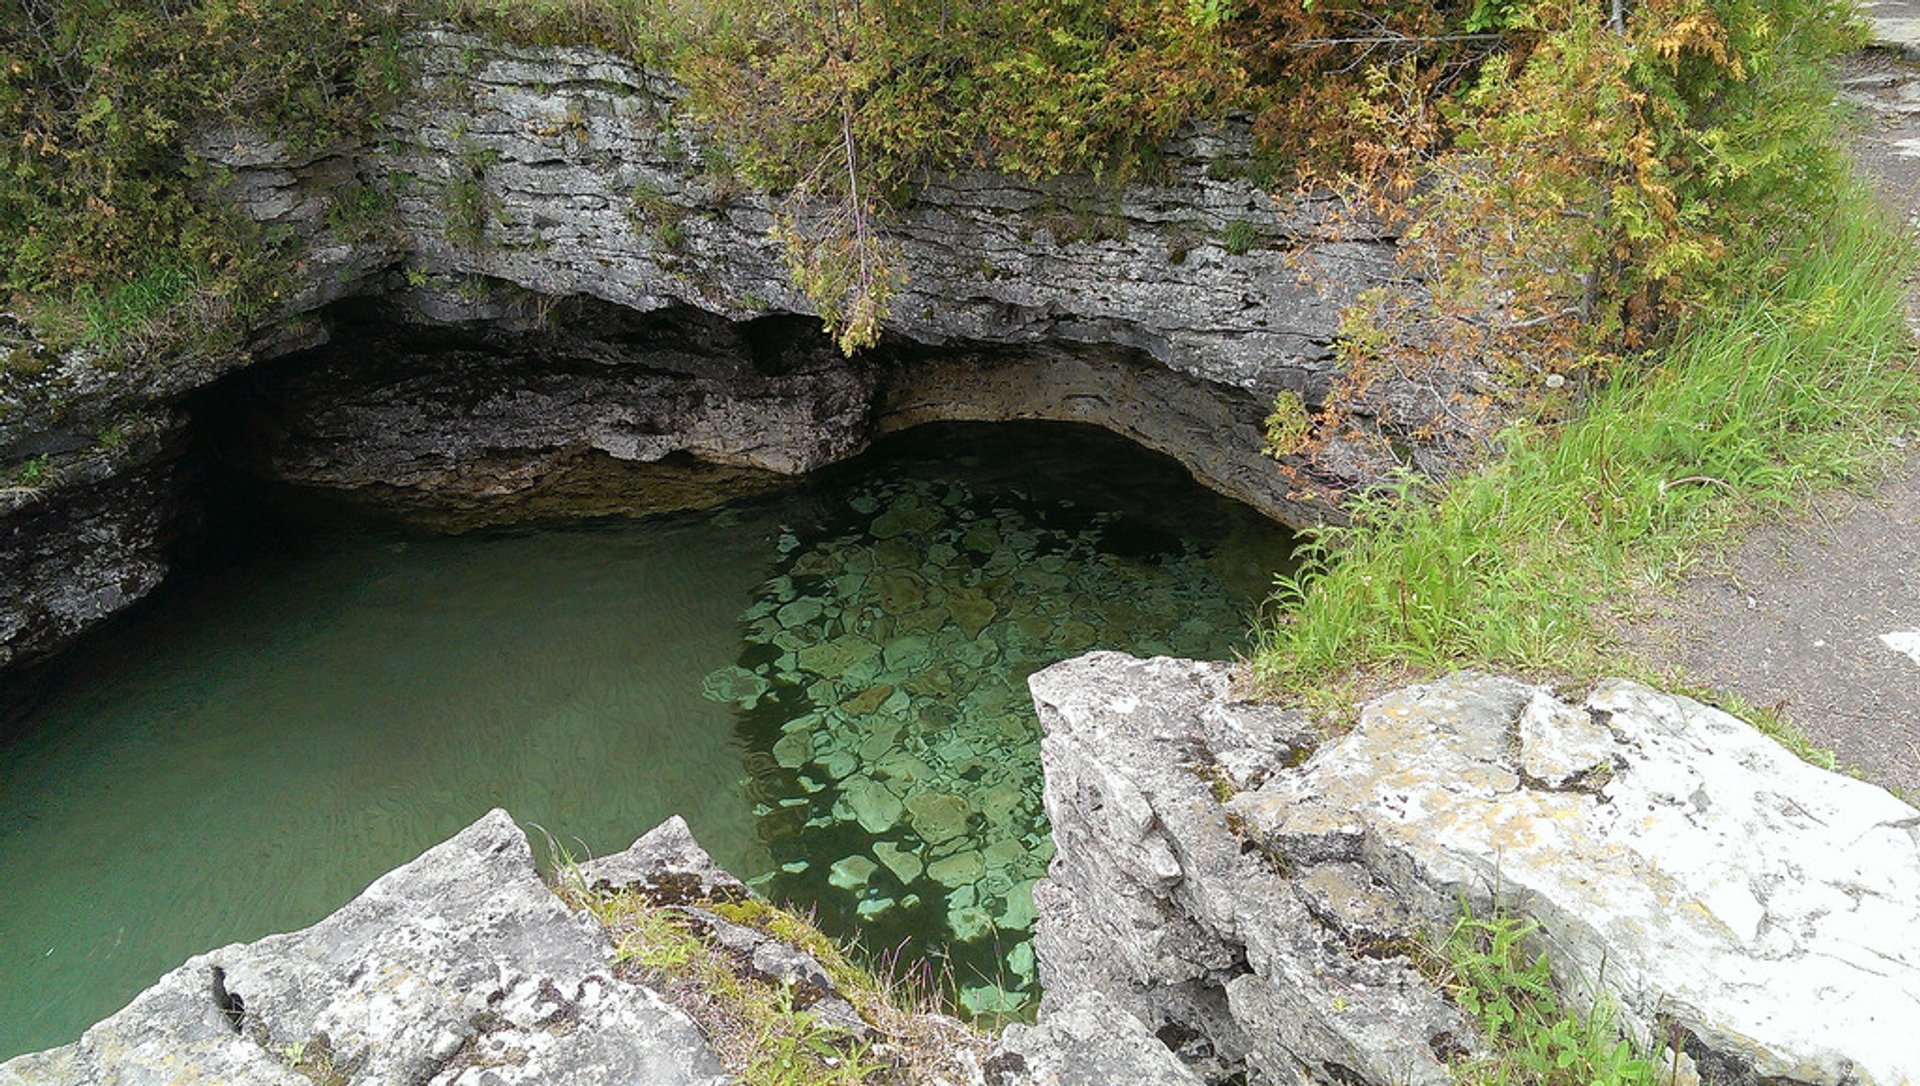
x=851, y=872
x=900, y=591
x=938, y=816
x=969, y=923
x=875, y=807
x=957, y=870
x=800, y=612
x=905, y=865
x=868, y=700
x=735, y=685
x=794, y=749
x=990, y=999
x=839, y=763
x=971, y=612
x=905, y=654
x=833, y=658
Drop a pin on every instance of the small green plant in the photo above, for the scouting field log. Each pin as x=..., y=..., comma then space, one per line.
x=1089, y=221
x=316, y=1061
x=115, y=315
x=1533, y=1038
x=359, y=212
x=794, y=1049
x=468, y=207
x=1288, y=426
x=649, y=209
x=1239, y=237
x=654, y=940
x=30, y=474
x=466, y=212
x=760, y=1028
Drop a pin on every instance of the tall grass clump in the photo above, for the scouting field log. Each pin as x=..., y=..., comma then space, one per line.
x=763, y=1029
x=1534, y=1039
x=1794, y=385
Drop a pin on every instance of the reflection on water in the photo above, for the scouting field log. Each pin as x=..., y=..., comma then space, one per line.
x=827, y=684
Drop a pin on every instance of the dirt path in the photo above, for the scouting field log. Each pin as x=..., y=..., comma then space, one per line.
x=1820, y=616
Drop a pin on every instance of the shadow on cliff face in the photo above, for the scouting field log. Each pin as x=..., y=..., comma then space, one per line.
x=484, y=420
x=577, y=409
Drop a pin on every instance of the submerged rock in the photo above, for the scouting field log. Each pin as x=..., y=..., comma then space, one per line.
x=736, y=685
x=905, y=865
x=896, y=632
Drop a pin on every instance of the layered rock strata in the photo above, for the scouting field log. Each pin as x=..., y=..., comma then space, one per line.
x=80, y=546
x=582, y=191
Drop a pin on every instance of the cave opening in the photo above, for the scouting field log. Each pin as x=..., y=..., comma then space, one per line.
x=372, y=639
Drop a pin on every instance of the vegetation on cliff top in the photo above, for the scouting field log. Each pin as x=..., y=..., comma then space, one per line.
x=1587, y=190
x=1798, y=384
x=1590, y=171
x=112, y=230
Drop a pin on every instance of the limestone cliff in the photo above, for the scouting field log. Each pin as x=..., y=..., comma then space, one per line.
x=623, y=299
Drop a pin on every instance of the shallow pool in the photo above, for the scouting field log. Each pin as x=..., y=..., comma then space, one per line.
x=827, y=683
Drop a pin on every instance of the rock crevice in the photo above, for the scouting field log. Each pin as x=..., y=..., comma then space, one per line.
x=1710, y=886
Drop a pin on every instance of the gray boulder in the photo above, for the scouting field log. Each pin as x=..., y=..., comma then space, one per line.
x=1716, y=887
x=667, y=863
x=459, y=968
x=1153, y=903
x=1723, y=895
x=1086, y=1041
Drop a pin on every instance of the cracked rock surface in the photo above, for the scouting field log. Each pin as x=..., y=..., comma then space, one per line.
x=1692, y=868
x=1761, y=911
x=459, y=968
x=1153, y=903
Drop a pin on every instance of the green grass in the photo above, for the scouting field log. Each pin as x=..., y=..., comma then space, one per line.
x=649, y=209
x=1239, y=238
x=464, y=201
x=755, y=1025
x=112, y=317
x=1533, y=1039
x=1795, y=387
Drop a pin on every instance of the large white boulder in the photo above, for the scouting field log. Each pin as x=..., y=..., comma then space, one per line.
x=1763, y=911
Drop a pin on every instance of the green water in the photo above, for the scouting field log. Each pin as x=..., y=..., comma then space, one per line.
x=827, y=684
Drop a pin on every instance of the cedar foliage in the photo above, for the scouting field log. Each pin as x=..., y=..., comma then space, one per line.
x=105, y=217
x=1576, y=181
